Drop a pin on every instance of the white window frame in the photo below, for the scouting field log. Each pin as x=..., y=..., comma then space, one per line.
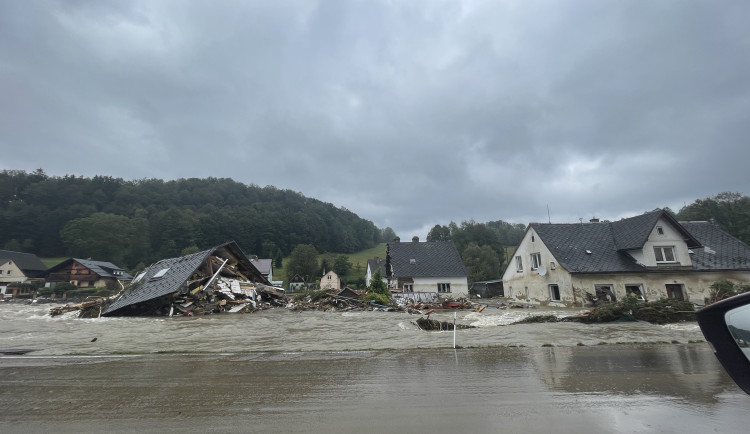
x=408, y=287
x=640, y=288
x=519, y=264
x=551, y=293
x=444, y=288
x=661, y=251
x=536, y=260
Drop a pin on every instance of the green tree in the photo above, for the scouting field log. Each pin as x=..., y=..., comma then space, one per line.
x=378, y=291
x=303, y=261
x=341, y=265
x=482, y=263
x=731, y=211
x=104, y=237
x=439, y=233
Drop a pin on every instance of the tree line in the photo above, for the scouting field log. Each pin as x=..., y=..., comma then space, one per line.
x=141, y=221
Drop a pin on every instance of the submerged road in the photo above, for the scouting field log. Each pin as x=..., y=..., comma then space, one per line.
x=660, y=388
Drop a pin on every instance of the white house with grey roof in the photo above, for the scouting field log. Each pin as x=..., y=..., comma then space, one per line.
x=652, y=256
x=426, y=267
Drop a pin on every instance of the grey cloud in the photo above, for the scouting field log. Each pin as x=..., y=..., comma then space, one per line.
x=408, y=113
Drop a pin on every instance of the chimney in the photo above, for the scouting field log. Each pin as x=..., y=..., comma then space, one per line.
x=397, y=240
x=377, y=259
x=594, y=220
x=415, y=239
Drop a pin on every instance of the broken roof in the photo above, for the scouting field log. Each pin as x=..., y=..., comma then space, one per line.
x=169, y=275
x=425, y=259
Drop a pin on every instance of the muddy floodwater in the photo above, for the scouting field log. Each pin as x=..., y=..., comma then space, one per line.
x=323, y=372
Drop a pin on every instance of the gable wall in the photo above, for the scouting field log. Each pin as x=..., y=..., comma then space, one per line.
x=672, y=237
x=459, y=286
x=15, y=275
x=518, y=284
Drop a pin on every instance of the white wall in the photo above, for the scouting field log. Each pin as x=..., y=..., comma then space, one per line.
x=16, y=275
x=459, y=286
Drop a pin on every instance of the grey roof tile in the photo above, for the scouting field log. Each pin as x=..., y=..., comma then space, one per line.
x=569, y=244
x=719, y=251
x=430, y=259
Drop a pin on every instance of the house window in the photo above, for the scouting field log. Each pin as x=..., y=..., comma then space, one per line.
x=605, y=292
x=444, y=287
x=8, y=271
x=674, y=291
x=536, y=260
x=635, y=291
x=554, y=293
x=664, y=255
x=408, y=287
x=328, y=277
x=519, y=264
x=660, y=230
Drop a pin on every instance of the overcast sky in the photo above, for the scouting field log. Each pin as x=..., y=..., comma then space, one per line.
x=409, y=113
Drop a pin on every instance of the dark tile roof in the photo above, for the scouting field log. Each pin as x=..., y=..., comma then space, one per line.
x=375, y=266
x=430, y=259
x=105, y=269
x=27, y=262
x=719, y=251
x=262, y=265
x=608, y=242
x=570, y=242
x=148, y=287
x=632, y=233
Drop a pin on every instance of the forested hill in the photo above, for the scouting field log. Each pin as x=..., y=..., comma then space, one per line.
x=132, y=222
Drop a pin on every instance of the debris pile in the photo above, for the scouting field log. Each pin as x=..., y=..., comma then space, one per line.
x=225, y=290
x=663, y=311
x=428, y=324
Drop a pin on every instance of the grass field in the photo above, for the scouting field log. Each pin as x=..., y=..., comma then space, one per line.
x=51, y=262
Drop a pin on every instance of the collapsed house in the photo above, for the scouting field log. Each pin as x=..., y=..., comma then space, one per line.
x=220, y=279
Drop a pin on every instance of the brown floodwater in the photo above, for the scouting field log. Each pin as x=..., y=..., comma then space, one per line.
x=324, y=372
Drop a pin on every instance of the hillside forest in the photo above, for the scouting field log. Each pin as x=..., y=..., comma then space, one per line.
x=135, y=223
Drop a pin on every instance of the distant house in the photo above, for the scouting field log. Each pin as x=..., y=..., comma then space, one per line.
x=297, y=283
x=20, y=267
x=85, y=273
x=374, y=265
x=650, y=256
x=426, y=267
x=264, y=266
x=330, y=280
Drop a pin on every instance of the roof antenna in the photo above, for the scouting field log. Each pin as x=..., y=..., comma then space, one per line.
x=549, y=220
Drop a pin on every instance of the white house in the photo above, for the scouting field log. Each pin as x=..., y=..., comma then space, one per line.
x=426, y=267
x=373, y=266
x=651, y=256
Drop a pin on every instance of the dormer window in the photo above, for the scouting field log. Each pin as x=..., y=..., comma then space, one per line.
x=664, y=255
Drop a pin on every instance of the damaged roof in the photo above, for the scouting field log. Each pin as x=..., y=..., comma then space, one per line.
x=169, y=275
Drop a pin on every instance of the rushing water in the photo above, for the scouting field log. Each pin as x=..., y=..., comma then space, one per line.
x=365, y=372
x=30, y=326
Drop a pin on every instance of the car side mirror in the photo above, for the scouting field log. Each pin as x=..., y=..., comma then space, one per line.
x=726, y=326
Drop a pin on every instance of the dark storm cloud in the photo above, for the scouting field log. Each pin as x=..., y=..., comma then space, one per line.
x=408, y=113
